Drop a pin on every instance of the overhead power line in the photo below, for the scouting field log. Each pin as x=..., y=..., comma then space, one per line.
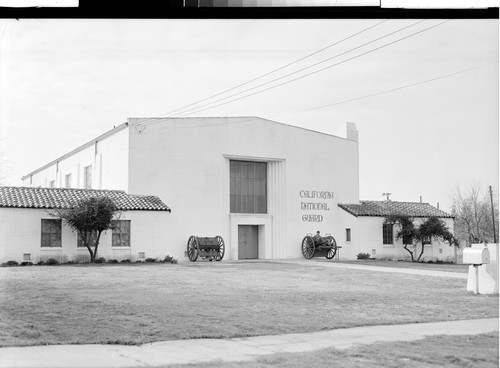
x=278, y=69
x=246, y=120
x=389, y=90
x=268, y=73
x=305, y=68
x=320, y=70
x=153, y=120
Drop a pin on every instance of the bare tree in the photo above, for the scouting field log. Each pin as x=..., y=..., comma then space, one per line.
x=472, y=210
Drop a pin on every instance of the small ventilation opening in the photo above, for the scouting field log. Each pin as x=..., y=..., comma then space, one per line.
x=142, y=255
x=27, y=257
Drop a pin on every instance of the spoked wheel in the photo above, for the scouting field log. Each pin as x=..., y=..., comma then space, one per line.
x=333, y=251
x=219, y=256
x=308, y=247
x=192, y=248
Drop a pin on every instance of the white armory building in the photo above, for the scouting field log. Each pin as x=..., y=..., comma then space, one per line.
x=260, y=184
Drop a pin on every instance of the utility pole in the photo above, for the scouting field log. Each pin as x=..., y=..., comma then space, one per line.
x=493, y=217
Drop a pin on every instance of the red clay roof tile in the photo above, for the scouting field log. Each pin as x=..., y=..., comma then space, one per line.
x=387, y=208
x=24, y=197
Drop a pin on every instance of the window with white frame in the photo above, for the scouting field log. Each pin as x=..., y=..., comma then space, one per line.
x=347, y=235
x=387, y=234
x=51, y=233
x=121, y=233
x=87, y=177
x=67, y=181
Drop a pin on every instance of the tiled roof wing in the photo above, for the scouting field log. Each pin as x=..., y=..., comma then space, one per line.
x=24, y=197
x=388, y=208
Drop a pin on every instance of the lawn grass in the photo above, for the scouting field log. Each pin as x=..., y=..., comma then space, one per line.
x=478, y=351
x=447, y=267
x=135, y=304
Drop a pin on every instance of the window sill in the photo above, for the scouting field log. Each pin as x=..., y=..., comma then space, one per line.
x=50, y=248
x=389, y=245
x=122, y=247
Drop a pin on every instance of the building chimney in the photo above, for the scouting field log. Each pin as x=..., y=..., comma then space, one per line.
x=352, y=132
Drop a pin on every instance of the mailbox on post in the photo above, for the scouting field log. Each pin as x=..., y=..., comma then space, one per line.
x=476, y=257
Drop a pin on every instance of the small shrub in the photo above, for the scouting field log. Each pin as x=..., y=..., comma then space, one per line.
x=112, y=261
x=10, y=263
x=125, y=261
x=40, y=263
x=138, y=261
x=169, y=259
x=150, y=260
x=363, y=256
x=100, y=260
x=26, y=263
x=52, y=261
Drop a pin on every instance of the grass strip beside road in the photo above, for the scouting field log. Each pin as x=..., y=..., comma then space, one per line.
x=444, y=267
x=436, y=351
x=136, y=304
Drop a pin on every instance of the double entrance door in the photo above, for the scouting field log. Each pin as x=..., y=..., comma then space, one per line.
x=248, y=242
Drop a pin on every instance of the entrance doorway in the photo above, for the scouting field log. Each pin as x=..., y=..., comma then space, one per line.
x=248, y=242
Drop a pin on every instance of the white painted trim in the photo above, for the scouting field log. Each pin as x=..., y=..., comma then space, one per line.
x=253, y=158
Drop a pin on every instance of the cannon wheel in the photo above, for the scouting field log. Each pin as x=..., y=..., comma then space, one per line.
x=308, y=247
x=192, y=248
x=331, y=252
x=221, y=248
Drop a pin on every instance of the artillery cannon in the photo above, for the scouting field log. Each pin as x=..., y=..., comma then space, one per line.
x=205, y=247
x=319, y=246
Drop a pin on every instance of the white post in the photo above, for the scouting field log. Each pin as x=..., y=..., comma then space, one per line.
x=476, y=291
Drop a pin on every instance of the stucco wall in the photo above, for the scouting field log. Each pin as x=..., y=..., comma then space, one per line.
x=370, y=239
x=20, y=233
x=186, y=163
x=108, y=158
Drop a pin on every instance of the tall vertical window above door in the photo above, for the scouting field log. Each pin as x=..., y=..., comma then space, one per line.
x=248, y=186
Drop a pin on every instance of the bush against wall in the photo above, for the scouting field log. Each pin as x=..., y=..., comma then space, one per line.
x=363, y=256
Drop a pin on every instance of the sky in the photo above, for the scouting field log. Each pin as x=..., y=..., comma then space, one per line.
x=422, y=93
